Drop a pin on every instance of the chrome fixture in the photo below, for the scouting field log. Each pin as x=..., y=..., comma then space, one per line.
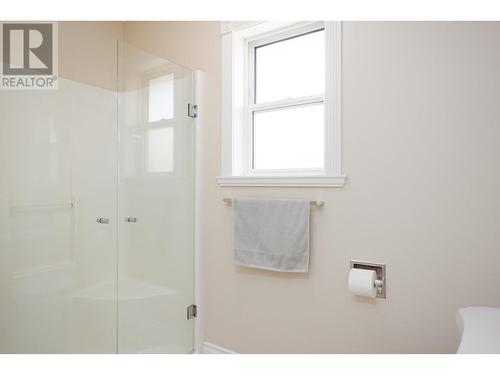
x=229, y=201
x=192, y=110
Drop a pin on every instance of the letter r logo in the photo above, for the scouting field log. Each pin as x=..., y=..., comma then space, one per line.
x=27, y=48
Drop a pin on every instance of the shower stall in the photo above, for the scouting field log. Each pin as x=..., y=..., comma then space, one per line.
x=97, y=204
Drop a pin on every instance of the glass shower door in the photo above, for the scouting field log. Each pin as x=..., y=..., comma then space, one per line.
x=155, y=258
x=96, y=204
x=57, y=176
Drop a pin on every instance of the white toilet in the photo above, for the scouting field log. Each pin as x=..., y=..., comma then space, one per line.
x=479, y=330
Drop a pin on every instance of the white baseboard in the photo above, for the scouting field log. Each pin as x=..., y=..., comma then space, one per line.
x=209, y=348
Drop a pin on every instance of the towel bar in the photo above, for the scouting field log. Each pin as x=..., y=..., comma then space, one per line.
x=229, y=201
x=41, y=207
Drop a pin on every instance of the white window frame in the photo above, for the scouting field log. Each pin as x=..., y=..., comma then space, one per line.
x=238, y=43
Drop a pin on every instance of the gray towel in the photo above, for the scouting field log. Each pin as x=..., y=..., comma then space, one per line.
x=272, y=234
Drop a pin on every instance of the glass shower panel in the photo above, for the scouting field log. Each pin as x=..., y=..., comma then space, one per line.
x=155, y=259
x=57, y=175
x=96, y=235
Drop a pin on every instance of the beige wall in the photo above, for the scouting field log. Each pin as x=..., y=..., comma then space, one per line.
x=88, y=52
x=421, y=144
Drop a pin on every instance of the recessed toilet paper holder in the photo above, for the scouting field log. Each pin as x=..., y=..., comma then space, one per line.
x=379, y=268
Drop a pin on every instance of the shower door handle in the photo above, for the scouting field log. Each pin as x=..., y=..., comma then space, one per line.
x=131, y=219
x=102, y=220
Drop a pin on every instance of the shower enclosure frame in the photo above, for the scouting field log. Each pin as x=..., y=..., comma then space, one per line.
x=198, y=96
x=69, y=284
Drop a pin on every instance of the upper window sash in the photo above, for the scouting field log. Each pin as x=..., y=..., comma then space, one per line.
x=261, y=41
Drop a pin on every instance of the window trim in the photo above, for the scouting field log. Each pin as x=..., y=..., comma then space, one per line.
x=236, y=148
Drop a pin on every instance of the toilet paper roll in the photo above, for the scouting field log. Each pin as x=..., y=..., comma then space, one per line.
x=362, y=282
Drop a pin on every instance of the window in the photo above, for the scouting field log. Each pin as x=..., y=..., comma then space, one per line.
x=161, y=98
x=281, y=105
x=159, y=147
x=287, y=84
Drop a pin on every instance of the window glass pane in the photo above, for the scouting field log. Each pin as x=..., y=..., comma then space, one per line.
x=161, y=98
x=289, y=138
x=291, y=68
x=160, y=150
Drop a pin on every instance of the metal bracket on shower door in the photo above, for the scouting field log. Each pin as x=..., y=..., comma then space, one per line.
x=191, y=312
x=192, y=110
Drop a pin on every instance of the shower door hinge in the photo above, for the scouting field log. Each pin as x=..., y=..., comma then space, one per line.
x=191, y=312
x=192, y=110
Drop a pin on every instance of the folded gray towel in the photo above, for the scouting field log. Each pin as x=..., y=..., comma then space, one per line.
x=272, y=234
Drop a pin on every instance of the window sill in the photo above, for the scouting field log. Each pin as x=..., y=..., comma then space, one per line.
x=286, y=181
